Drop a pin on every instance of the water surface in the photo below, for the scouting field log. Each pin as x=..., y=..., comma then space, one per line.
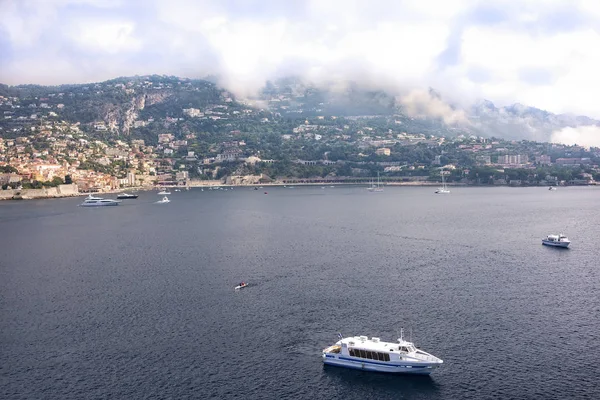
x=137, y=301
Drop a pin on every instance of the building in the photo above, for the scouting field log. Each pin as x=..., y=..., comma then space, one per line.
x=383, y=151
x=165, y=137
x=131, y=178
x=573, y=161
x=543, y=160
x=485, y=160
x=182, y=175
x=512, y=159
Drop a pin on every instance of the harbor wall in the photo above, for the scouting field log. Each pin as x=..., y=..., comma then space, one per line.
x=45, y=193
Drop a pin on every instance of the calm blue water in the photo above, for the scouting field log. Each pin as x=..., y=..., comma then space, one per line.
x=137, y=301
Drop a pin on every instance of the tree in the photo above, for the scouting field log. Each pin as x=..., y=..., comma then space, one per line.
x=57, y=180
x=7, y=169
x=68, y=179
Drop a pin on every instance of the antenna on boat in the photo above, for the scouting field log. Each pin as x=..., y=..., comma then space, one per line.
x=402, y=334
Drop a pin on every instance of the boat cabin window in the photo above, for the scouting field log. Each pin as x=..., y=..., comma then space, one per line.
x=370, y=355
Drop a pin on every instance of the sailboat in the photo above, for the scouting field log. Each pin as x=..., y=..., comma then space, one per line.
x=378, y=187
x=444, y=188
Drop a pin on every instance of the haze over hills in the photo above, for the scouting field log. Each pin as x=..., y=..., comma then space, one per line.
x=119, y=104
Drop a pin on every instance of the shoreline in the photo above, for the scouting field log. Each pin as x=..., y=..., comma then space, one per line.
x=51, y=193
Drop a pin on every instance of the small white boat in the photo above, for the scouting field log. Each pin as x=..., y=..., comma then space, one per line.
x=163, y=192
x=556, y=241
x=241, y=286
x=90, y=197
x=127, y=196
x=360, y=352
x=164, y=200
x=551, y=188
x=99, y=203
x=177, y=190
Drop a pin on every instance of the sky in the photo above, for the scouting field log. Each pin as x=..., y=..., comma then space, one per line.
x=542, y=53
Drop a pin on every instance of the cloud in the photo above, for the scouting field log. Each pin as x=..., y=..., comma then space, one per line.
x=587, y=136
x=536, y=52
x=421, y=103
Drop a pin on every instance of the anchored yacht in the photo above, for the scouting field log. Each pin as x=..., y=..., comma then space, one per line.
x=127, y=196
x=360, y=352
x=556, y=240
x=99, y=202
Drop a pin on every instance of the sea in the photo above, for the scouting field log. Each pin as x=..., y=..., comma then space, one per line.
x=138, y=301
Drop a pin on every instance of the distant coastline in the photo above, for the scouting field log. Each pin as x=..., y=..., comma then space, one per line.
x=63, y=191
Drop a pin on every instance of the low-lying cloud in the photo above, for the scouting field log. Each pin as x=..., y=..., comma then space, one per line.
x=422, y=103
x=587, y=136
x=466, y=49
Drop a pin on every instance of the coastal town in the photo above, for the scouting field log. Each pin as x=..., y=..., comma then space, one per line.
x=146, y=132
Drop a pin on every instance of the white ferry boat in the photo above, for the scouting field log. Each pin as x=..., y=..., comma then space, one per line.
x=556, y=241
x=360, y=352
x=99, y=202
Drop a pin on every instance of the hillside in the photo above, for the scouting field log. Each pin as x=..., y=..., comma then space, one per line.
x=142, y=107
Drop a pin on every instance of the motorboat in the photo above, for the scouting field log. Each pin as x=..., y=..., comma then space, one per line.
x=91, y=197
x=551, y=188
x=163, y=192
x=99, y=202
x=360, y=352
x=241, y=286
x=127, y=196
x=559, y=240
x=164, y=200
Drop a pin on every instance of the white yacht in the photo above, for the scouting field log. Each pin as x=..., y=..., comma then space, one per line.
x=97, y=202
x=556, y=241
x=444, y=189
x=163, y=192
x=551, y=188
x=376, y=187
x=360, y=352
x=127, y=196
x=164, y=200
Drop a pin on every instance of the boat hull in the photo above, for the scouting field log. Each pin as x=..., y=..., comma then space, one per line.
x=374, y=366
x=100, y=205
x=563, y=245
x=126, y=197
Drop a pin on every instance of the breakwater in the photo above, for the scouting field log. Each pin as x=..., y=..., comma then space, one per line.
x=45, y=193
